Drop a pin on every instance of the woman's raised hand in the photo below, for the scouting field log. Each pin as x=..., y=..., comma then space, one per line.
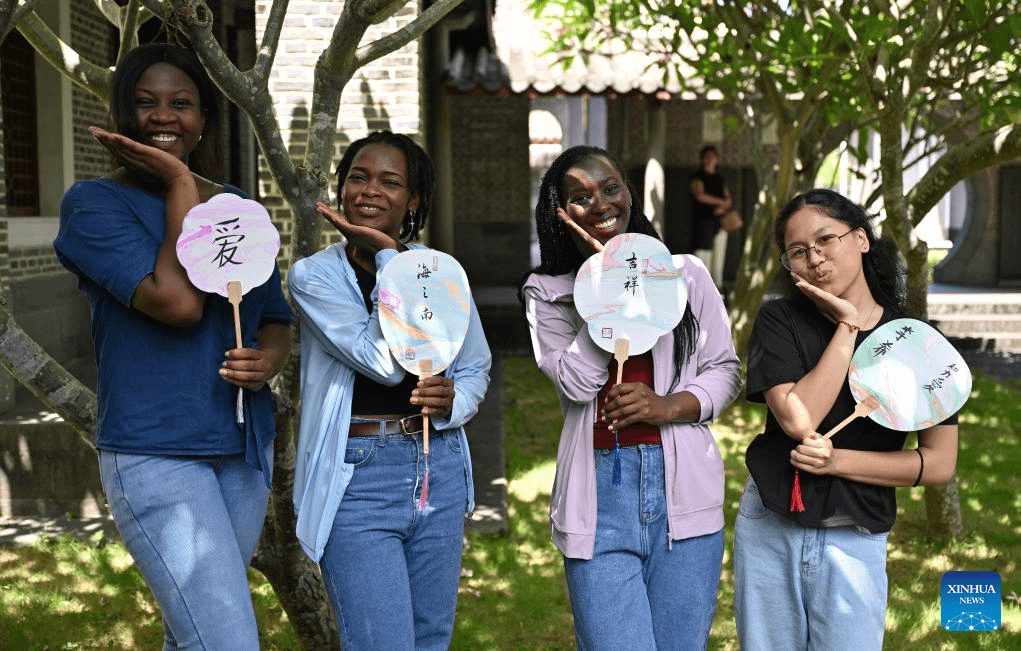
x=365, y=238
x=582, y=238
x=140, y=158
x=832, y=306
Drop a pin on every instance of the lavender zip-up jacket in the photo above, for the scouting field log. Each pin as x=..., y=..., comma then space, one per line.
x=578, y=368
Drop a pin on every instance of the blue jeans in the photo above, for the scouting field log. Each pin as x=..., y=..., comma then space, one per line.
x=640, y=590
x=191, y=524
x=806, y=589
x=390, y=568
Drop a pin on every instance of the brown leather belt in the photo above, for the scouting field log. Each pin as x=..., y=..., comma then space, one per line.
x=408, y=426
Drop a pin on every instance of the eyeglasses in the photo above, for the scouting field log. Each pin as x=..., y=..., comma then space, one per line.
x=825, y=246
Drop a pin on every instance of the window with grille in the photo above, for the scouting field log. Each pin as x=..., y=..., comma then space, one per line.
x=21, y=151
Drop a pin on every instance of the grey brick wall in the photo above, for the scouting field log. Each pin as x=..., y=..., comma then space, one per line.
x=492, y=215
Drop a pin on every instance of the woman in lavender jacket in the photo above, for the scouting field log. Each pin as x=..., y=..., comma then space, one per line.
x=642, y=552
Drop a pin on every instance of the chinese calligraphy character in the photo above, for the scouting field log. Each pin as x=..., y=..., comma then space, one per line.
x=228, y=241
x=944, y=376
x=904, y=332
x=423, y=270
x=632, y=284
x=882, y=348
x=427, y=314
x=632, y=261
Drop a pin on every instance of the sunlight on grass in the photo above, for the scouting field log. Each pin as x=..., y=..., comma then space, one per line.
x=537, y=481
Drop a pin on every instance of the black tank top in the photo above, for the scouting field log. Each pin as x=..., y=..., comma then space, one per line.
x=370, y=398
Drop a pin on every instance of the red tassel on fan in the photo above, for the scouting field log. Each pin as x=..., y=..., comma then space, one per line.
x=797, y=506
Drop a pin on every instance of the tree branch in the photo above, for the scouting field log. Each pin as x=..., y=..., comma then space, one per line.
x=128, y=22
x=270, y=42
x=46, y=379
x=60, y=55
x=960, y=162
x=392, y=42
x=115, y=13
x=11, y=13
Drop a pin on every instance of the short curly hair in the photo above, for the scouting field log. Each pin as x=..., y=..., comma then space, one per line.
x=420, y=175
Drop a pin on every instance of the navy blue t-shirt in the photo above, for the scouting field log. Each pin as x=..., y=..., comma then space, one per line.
x=159, y=390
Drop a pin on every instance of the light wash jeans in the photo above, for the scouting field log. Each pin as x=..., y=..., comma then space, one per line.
x=640, y=590
x=806, y=589
x=192, y=524
x=391, y=569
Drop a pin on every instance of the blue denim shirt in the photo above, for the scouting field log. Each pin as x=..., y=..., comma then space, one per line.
x=338, y=338
x=159, y=390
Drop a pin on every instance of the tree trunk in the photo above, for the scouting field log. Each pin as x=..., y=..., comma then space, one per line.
x=942, y=501
x=280, y=558
x=755, y=274
x=296, y=580
x=943, y=509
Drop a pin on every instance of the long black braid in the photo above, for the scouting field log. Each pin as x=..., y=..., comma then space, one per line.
x=558, y=253
x=420, y=176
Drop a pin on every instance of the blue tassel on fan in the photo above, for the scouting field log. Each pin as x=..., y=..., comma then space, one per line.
x=616, y=460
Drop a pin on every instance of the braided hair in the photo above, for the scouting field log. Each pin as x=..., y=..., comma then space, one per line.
x=882, y=266
x=558, y=253
x=420, y=176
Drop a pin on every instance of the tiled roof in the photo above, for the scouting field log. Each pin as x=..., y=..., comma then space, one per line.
x=521, y=64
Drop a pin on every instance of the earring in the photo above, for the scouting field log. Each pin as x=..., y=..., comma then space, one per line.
x=411, y=213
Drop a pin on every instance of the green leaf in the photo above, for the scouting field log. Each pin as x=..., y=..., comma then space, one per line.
x=977, y=11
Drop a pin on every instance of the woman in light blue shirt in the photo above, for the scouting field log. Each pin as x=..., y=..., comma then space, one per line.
x=391, y=568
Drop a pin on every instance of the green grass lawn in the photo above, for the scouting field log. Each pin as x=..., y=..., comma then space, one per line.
x=87, y=595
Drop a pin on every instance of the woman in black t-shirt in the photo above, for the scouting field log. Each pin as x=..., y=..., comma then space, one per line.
x=816, y=578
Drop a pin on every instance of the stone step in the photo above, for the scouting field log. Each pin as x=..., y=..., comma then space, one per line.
x=971, y=307
x=977, y=324
x=989, y=335
x=986, y=320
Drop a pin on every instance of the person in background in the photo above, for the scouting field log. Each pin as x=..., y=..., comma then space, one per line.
x=187, y=485
x=815, y=578
x=642, y=555
x=391, y=568
x=714, y=216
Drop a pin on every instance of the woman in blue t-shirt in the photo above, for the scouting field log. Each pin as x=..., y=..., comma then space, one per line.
x=815, y=577
x=186, y=483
